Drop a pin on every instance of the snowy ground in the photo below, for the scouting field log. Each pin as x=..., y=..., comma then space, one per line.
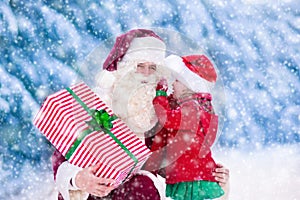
x=269, y=174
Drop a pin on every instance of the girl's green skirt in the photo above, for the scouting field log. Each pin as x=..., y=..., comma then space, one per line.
x=194, y=190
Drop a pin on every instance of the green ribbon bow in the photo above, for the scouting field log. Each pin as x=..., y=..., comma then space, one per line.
x=101, y=121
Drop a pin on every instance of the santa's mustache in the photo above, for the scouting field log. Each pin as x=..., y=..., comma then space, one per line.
x=152, y=78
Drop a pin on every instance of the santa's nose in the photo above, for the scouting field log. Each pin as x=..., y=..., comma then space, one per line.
x=147, y=71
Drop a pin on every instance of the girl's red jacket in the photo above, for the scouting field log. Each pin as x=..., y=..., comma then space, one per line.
x=184, y=142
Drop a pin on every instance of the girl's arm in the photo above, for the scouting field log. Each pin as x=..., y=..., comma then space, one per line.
x=183, y=117
x=166, y=116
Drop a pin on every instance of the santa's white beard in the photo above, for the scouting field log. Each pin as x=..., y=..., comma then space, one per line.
x=132, y=101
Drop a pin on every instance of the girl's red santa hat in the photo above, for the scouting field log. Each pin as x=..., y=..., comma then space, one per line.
x=194, y=71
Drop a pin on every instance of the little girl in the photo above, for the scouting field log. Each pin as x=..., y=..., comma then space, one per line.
x=189, y=129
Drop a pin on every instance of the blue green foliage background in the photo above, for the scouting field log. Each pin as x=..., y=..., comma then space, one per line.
x=255, y=46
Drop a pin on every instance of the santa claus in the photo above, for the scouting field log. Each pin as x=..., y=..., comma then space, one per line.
x=127, y=84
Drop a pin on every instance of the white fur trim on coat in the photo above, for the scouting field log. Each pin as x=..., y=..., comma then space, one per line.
x=65, y=173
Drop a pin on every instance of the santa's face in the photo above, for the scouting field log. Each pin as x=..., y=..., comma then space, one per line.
x=146, y=68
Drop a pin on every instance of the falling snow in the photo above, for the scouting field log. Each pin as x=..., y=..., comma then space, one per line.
x=44, y=46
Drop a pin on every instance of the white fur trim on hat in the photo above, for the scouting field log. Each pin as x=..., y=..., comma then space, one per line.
x=146, y=49
x=182, y=73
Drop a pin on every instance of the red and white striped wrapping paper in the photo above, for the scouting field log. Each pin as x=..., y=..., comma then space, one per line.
x=61, y=119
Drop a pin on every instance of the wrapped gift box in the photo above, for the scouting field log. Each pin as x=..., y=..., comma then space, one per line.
x=87, y=132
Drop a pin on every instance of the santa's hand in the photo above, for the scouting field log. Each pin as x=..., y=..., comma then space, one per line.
x=221, y=175
x=87, y=181
x=162, y=85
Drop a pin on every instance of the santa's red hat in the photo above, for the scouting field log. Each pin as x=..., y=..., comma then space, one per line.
x=195, y=71
x=137, y=44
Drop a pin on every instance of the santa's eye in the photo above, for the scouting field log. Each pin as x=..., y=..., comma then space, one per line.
x=140, y=65
x=152, y=67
